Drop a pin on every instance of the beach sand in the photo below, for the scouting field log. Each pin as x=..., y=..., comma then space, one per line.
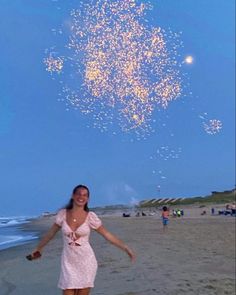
x=195, y=256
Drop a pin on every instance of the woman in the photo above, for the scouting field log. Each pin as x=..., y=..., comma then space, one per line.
x=78, y=262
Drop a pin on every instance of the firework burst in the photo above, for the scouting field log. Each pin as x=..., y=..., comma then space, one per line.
x=212, y=126
x=120, y=68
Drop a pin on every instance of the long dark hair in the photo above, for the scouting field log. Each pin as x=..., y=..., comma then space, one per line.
x=69, y=205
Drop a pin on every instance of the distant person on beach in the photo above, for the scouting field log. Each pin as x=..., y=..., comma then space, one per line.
x=165, y=217
x=78, y=262
x=178, y=212
x=212, y=211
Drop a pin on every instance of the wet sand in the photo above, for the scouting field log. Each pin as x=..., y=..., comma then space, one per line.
x=196, y=256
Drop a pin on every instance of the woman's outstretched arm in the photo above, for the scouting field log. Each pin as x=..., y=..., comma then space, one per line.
x=115, y=241
x=47, y=237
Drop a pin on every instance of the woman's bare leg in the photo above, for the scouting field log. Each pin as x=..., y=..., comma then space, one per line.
x=85, y=291
x=69, y=292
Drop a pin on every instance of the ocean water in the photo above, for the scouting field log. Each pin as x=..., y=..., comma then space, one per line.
x=12, y=233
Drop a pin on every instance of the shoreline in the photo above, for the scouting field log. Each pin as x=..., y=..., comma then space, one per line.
x=38, y=226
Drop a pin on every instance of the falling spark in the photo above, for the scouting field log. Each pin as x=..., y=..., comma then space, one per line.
x=166, y=153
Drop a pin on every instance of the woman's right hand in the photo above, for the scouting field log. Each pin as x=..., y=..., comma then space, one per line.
x=48, y=236
x=34, y=255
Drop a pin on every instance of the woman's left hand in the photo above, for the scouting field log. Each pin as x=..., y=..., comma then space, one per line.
x=115, y=241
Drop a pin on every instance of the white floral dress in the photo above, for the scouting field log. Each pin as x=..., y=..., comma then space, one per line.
x=78, y=262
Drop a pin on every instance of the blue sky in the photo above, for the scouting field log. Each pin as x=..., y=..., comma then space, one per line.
x=46, y=150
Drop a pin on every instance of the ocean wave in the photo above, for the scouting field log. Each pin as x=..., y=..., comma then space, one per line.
x=12, y=222
x=15, y=220
x=13, y=240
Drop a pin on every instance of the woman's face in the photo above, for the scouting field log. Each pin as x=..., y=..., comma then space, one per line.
x=80, y=197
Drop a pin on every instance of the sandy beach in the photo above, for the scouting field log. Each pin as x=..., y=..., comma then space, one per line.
x=195, y=256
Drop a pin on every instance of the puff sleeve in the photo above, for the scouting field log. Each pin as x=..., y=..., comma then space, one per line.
x=94, y=221
x=60, y=217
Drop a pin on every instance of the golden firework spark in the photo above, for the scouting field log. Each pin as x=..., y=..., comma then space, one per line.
x=126, y=68
x=53, y=64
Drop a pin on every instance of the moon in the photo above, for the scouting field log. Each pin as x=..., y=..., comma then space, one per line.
x=189, y=59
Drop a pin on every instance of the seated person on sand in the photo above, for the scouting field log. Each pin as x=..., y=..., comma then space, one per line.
x=178, y=213
x=126, y=215
x=174, y=213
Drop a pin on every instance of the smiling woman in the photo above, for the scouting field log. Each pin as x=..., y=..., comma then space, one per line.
x=78, y=262
x=80, y=192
